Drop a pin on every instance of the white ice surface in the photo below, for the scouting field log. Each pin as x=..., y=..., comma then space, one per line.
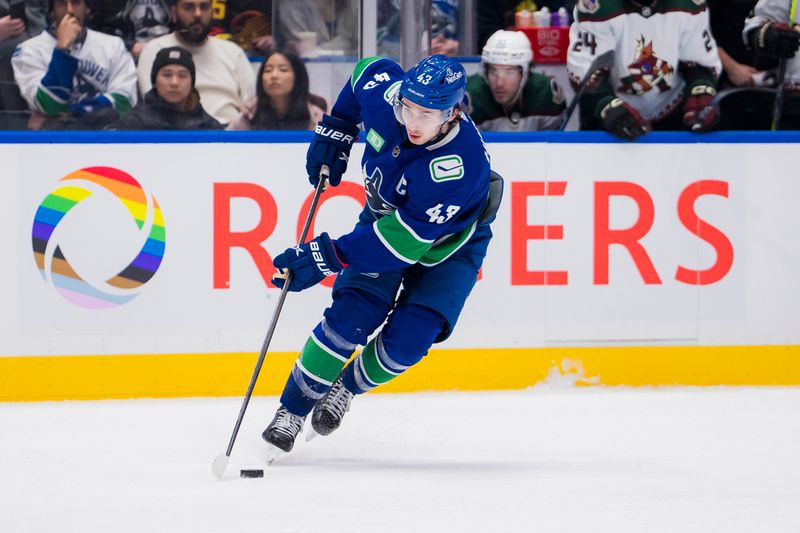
x=544, y=460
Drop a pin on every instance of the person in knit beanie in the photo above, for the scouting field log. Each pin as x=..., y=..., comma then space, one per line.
x=173, y=103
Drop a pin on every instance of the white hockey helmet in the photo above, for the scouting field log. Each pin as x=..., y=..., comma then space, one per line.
x=507, y=48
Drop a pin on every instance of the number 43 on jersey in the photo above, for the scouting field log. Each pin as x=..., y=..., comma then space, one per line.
x=435, y=213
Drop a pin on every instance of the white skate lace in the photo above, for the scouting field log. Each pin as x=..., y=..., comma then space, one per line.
x=338, y=400
x=288, y=423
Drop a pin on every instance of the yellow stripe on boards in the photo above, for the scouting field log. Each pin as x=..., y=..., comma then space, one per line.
x=187, y=375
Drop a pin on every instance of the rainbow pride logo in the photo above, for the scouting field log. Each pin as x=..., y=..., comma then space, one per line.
x=98, y=217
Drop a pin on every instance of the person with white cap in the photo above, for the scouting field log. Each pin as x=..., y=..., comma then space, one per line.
x=507, y=95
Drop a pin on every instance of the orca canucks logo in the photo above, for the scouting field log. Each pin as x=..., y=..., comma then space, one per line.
x=372, y=186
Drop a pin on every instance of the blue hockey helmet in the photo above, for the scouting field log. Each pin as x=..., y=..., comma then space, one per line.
x=436, y=82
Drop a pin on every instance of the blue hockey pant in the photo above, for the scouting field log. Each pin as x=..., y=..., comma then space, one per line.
x=416, y=307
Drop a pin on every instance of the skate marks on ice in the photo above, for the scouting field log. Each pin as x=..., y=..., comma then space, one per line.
x=568, y=461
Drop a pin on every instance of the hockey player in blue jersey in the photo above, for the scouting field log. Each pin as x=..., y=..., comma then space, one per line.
x=415, y=252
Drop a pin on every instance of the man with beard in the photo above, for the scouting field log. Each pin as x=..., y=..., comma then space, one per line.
x=224, y=80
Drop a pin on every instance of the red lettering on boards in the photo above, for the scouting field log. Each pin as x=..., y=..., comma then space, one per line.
x=521, y=233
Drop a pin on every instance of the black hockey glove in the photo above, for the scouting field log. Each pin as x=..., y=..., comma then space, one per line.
x=309, y=263
x=698, y=113
x=333, y=139
x=621, y=119
x=776, y=39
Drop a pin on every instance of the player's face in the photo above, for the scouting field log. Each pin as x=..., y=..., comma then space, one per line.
x=422, y=124
x=174, y=84
x=193, y=19
x=278, y=76
x=77, y=8
x=504, y=82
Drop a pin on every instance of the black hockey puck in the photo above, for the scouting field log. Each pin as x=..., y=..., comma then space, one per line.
x=251, y=473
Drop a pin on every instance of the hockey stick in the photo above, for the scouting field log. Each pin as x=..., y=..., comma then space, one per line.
x=777, y=110
x=721, y=95
x=604, y=60
x=221, y=462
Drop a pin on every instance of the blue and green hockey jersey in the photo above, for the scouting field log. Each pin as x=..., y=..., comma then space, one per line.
x=423, y=202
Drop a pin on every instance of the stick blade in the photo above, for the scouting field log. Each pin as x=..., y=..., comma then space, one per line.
x=219, y=465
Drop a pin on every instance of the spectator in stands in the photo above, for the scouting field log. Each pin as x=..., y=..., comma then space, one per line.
x=245, y=22
x=14, y=29
x=251, y=27
x=663, y=77
x=444, y=27
x=173, y=103
x=282, y=100
x=74, y=77
x=335, y=23
x=507, y=95
x=134, y=21
x=741, y=68
x=773, y=32
x=225, y=79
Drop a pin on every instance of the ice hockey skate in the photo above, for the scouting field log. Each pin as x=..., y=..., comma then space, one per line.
x=330, y=410
x=283, y=429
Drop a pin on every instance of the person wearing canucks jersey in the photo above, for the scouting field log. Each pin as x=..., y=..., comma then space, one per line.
x=74, y=75
x=665, y=68
x=413, y=256
x=507, y=95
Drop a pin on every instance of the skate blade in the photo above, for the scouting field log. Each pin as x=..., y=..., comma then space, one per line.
x=273, y=452
x=311, y=434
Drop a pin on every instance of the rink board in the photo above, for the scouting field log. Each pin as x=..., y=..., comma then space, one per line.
x=136, y=265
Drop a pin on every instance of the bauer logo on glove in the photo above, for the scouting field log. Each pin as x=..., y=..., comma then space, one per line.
x=336, y=135
x=308, y=264
x=333, y=138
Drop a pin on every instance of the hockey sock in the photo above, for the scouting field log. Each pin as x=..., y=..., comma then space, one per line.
x=315, y=370
x=406, y=338
x=370, y=368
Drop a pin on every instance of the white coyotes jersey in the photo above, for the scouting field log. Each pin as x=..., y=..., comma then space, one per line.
x=777, y=11
x=647, y=50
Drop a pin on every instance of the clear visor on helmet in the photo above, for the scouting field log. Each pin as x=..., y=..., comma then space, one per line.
x=425, y=118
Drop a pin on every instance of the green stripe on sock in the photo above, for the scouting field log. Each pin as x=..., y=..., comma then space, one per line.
x=375, y=372
x=319, y=362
